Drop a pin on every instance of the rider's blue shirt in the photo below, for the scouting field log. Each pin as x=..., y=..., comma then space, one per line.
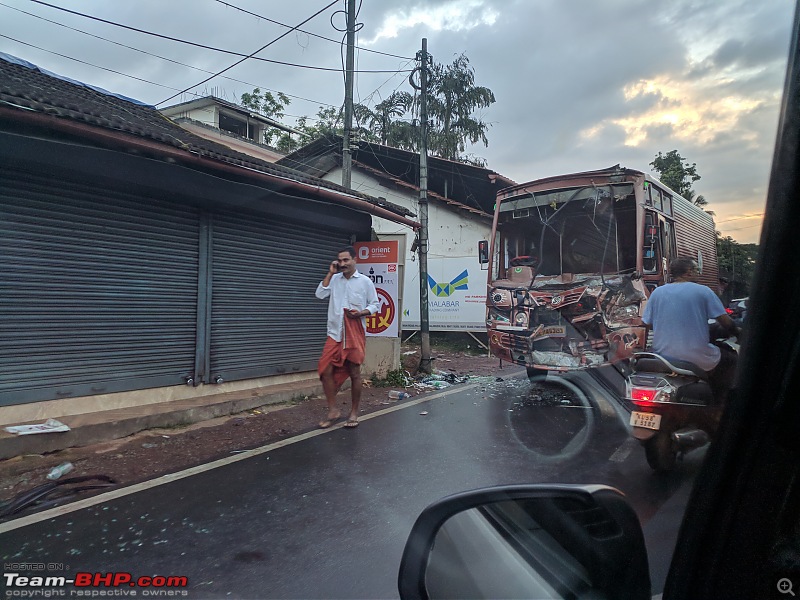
x=679, y=314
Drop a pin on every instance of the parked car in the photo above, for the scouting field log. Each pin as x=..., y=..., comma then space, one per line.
x=737, y=310
x=739, y=537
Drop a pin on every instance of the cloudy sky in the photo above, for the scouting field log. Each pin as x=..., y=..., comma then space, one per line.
x=580, y=84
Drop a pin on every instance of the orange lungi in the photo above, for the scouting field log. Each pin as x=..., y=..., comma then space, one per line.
x=351, y=349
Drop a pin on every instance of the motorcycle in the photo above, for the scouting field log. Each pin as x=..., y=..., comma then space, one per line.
x=675, y=411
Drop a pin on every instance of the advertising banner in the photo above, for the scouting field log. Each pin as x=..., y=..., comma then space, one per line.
x=456, y=295
x=378, y=261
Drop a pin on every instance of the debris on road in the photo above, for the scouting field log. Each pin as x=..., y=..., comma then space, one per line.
x=49, y=426
x=56, y=490
x=60, y=470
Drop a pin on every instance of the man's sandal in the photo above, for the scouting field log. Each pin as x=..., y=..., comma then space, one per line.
x=329, y=422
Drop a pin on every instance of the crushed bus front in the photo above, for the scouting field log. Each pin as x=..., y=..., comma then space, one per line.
x=565, y=289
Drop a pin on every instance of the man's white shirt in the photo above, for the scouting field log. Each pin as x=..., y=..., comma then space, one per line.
x=358, y=293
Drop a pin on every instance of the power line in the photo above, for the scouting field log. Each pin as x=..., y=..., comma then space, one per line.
x=154, y=82
x=88, y=63
x=322, y=37
x=375, y=91
x=177, y=62
x=755, y=216
x=238, y=62
x=197, y=45
x=742, y=228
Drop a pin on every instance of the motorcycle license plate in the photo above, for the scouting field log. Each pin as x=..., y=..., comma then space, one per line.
x=646, y=420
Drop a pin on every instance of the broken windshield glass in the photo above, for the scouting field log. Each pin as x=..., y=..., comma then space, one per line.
x=584, y=230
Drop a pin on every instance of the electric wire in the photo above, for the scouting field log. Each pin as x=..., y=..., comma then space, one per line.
x=177, y=62
x=394, y=73
x=744, y=217
x=198, y=45
x=8, y=37
x=238, y=62
x=741, y=228
x=322, y=37
x=154, y=82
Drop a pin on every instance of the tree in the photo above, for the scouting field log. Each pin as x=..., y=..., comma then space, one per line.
x=385, y=123
x=452, y=100
x=267, y=105
x=677, y=173
x=737, y=262
x=453, y=97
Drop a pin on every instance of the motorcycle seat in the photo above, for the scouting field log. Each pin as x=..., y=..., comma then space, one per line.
x=649, y=362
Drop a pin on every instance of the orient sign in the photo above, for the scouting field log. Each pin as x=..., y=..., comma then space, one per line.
x=378, y=261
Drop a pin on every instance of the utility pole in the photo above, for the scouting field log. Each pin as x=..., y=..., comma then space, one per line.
x=424, y=318
x=347, y=158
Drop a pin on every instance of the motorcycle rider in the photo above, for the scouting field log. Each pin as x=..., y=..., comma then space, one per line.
x=678, y=313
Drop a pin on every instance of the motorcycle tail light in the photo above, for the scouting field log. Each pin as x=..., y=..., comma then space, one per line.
x=643, y=396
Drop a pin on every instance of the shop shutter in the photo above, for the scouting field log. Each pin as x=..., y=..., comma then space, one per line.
x=98, y=290
x=265, y=319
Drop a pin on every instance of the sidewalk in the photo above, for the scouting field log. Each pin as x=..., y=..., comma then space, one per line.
x=93, y=428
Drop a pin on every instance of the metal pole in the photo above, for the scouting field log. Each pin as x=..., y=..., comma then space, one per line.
x=424, y=321
x=347, y=159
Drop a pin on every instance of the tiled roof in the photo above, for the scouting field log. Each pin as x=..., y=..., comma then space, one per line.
x=463, y=185
x=415, y=188
x=26, y=87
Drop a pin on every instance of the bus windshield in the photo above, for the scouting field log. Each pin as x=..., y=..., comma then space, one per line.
x=587, y=230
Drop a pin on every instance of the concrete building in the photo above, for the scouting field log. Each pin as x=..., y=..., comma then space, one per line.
x=229, y=124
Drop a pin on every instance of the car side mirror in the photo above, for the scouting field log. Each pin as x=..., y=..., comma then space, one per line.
x=483, y=252
x=527, y=541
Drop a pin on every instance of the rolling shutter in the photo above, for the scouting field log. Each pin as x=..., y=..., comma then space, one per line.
x=265, y=319
x=97, y=293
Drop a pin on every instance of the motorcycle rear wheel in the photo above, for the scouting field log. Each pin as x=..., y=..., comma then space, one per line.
x=660, y=452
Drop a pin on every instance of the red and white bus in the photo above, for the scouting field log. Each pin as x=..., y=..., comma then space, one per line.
x=571, y=261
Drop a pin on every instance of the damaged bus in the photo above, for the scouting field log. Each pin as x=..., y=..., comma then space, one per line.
x=572, y=259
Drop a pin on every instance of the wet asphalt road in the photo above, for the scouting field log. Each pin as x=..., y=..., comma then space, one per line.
x=328, y=516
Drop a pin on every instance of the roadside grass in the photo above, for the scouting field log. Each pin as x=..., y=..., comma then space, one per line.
x=448, y=341
x=395, y=378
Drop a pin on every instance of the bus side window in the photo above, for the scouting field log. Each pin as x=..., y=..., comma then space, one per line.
x=650, y=249
x=668, y=240
x=667, y=204
x=657, y=200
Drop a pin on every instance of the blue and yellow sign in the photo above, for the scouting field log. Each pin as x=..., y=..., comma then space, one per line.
x=443, y=290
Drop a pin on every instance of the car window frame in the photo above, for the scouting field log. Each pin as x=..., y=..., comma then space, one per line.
x=744, y=502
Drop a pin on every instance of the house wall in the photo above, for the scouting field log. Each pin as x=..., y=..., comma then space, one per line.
x=208, y=115
x=453, y=248
x=234, y=143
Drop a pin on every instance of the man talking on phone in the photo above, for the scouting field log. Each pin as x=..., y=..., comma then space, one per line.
x=352, y=297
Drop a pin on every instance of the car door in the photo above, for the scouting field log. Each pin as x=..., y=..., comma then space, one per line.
x=740, y=537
